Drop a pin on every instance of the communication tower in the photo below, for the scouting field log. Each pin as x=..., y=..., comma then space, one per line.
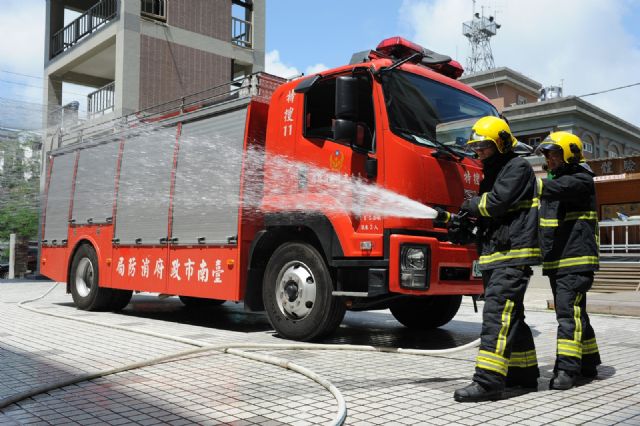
x=479, y=32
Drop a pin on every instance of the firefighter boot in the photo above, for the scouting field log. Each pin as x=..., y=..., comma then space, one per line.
x=589, y=372
x=563, y=380
x=476, y=393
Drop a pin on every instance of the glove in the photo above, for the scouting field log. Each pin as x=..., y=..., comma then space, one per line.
x=466, y=206
x=461, y=235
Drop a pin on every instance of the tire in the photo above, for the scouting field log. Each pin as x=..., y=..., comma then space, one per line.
x=200, y=302
x=119, y=299
x=83, y=281
x=425, y=313
x=297, y=296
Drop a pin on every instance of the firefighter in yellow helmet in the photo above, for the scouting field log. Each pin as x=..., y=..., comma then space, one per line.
x=569, y=240
x=507, y=241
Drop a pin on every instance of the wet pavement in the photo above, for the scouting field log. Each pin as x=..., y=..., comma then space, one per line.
x=217, y=388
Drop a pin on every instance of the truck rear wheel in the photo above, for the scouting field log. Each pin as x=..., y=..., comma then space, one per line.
x=83, y=280
x=297, y=296
x=424, y=313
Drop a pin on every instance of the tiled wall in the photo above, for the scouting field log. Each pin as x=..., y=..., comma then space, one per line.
x=169, y=71
x=209, y=17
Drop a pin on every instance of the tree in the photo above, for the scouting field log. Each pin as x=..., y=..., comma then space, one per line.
x=19, y=184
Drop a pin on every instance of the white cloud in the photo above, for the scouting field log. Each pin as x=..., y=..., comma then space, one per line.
x=315, y=69
x=580, y=43
x=275, y=66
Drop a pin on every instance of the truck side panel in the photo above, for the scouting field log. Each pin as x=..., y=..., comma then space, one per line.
x=95, y=184
x=144, y=188
x=207, y=184
x=53, y=257
x=56, y=226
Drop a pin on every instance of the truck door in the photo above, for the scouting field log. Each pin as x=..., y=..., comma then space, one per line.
x=203, y=251
x=325, y=141
x=140, y=254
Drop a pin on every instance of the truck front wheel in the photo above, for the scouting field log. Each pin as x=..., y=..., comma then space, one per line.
x=427, y=312
x=86, y=293
x=297, y=296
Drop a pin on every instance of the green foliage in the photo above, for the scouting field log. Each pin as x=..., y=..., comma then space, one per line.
x=19, y=185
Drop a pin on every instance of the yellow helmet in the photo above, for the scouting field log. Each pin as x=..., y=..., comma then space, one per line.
x=570, y=144
x=492, y=130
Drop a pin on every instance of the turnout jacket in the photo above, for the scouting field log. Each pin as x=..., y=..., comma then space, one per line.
x=508, y=213
x=568, y=221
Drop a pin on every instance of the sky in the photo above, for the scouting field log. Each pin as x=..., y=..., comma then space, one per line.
x=584, y=45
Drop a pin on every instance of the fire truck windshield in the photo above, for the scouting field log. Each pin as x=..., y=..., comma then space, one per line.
x=430, y=113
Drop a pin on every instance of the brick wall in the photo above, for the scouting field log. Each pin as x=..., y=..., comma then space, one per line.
x=209, y=17
x=169, y=71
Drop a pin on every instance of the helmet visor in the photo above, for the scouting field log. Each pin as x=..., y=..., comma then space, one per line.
x=546, y=146
x=477, y=142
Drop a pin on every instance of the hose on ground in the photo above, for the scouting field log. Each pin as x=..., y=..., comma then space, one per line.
x=233, y=348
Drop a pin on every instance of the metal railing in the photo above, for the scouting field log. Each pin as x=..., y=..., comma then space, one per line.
x=620, y=237
x=155, y=9
x=87, y=23
x=259, y=86
x=241, y=32
x=102, y=100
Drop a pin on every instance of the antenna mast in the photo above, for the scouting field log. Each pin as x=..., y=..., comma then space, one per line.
x=479, y=32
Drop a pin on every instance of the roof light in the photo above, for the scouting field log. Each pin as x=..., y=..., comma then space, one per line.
x=399, y=48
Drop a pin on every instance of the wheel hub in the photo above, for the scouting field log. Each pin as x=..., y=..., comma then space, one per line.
x=296, y=290
x=291, y=290
x=84, y=277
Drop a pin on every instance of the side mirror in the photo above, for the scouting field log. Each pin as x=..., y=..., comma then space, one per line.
x=346, y=98
x=344, y=131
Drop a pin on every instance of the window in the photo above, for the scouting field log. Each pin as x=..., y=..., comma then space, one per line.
x=422, y=110
x=153, y=9
x=588, y=147
x=535, y=141
x=612, y=154
x=320, y=112
x=521, y=100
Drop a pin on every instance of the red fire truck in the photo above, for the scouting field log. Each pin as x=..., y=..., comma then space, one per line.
x=126, y=211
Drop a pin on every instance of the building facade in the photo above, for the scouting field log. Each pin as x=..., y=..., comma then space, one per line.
x=142, y=53
x=516, y=96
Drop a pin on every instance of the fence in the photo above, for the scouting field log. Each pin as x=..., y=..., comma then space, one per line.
x=620, y=238
x=95, y=17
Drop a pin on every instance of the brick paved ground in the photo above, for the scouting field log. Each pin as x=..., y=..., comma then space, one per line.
x=215, y=388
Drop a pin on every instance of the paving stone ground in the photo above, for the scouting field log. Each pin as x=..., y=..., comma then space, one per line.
x=216, y=388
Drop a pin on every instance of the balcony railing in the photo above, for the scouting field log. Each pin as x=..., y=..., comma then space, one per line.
x=95, y=17
x=155, y=9
x=241, y=32
x=101, y=101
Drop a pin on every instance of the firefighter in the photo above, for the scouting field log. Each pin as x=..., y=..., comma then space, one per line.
x=506, y=213
x=569, y=241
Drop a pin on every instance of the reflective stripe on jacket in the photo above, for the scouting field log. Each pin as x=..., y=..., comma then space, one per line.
x=507, y=208
x=568, y=230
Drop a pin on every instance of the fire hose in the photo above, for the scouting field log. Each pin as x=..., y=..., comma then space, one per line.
x=234, y=349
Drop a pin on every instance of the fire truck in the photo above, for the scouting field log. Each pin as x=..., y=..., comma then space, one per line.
x=126, y=211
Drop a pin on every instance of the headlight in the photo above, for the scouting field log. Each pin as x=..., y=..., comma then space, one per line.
x=413, y=266
x=413, y=258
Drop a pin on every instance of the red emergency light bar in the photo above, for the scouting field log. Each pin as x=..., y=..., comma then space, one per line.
x=398, y=48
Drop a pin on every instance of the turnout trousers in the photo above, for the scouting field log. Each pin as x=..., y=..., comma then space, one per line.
x=507, y=354
x=576, y=348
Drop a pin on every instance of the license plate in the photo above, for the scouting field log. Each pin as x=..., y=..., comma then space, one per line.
x=475, y=269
